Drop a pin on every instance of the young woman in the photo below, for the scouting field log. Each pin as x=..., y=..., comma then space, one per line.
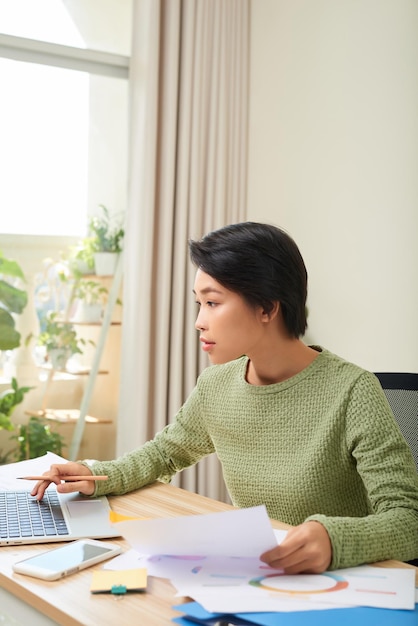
x=295, y=427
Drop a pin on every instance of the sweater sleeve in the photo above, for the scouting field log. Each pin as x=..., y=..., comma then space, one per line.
x=179, y=445
x=387, y=469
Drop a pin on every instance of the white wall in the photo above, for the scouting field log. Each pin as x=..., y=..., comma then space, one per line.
x=334, y=161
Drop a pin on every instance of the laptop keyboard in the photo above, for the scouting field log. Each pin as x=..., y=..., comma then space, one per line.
x=22, y=516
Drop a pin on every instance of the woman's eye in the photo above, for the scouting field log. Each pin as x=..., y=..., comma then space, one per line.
x=208, y=303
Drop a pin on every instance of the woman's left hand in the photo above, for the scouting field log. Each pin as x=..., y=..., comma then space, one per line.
x=306, y=549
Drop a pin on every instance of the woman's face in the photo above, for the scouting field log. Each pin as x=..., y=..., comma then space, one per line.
x=229, y=327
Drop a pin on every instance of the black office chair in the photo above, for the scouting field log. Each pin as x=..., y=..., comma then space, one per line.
x=401, y=390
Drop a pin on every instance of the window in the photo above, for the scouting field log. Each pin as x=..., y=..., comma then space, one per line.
x=63, y=113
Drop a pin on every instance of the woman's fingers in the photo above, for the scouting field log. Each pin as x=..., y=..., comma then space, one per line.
x=306, y=549
x=63, y=472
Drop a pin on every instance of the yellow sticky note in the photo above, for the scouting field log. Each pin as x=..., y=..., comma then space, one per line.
x=118, y=581
x=118, y=517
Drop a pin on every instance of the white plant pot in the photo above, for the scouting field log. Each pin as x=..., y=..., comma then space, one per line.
x=88, y=313
x=58, y=358
x=82, y=267
x=105, y=263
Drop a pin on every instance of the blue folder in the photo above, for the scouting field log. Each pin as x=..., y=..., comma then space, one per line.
x=194, y=613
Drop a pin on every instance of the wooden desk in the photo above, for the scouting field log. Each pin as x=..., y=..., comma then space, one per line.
x=69, y=602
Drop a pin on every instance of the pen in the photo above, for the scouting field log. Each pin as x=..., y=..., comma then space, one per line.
x=69, y=479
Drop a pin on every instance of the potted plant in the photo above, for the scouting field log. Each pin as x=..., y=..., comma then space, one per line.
x=60, y=340
x=36, y=439
x=80, y=258
x=107, y=234
x=90, y=297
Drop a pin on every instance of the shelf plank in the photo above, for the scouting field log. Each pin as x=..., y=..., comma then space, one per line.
x=76, y=323
x=66, y=416
x=81, y=372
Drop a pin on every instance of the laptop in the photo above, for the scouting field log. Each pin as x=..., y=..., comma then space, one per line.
x=57, y=517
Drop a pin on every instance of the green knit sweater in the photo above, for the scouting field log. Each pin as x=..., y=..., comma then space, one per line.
x=322, y=445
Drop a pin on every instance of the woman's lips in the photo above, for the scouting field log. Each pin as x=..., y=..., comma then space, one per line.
x=206, y=345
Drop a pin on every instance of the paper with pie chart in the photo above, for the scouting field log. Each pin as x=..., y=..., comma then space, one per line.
x=222, y=589
x=214, y=559
x=239, y=584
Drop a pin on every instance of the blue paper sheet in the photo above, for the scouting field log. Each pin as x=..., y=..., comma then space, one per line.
x=358, y=616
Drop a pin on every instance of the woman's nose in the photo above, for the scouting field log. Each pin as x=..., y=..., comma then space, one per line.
x=199, y=325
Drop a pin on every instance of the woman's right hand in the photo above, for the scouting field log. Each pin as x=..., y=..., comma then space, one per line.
x=63, y=472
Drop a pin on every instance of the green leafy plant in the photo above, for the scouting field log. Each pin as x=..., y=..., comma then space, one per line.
x=13, y=300
x=60, y=334
x=80, y=258
x=5, y=457
x=107, y=234
x=9, y=399
x=90, y=291
x=60, y=340
x=36, y=439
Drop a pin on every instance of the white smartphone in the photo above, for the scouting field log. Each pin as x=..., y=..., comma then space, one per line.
x=67, y=559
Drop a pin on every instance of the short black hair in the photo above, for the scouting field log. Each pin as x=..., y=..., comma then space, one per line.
x=262, y=263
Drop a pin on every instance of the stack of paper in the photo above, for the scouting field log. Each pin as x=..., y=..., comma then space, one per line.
x=214, y=559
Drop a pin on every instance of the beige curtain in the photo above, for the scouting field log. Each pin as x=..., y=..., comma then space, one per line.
x=189, y=82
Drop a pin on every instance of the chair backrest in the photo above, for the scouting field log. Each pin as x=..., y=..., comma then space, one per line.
x=401, y=390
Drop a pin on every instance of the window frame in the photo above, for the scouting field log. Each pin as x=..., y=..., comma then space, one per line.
x=67, y=57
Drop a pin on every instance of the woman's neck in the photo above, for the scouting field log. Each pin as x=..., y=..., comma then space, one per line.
x=280, y=362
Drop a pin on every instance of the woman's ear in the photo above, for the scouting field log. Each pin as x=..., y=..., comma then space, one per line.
x=268, y=316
